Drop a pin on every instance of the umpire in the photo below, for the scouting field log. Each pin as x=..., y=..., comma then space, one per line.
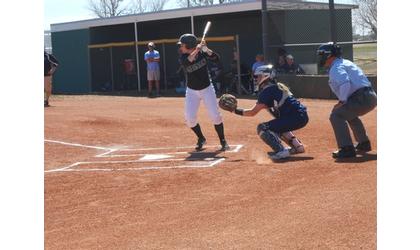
x=356, y=98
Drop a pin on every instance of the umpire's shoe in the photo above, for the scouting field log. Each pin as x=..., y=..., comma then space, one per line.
x=225, y=146
x=200, y=144
x=344, y=152
x=363, y=146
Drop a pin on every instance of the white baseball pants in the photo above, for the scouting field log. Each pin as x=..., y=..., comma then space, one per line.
x=192, y=103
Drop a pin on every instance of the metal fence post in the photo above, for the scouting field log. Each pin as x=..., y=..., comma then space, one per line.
x=332, y=22
x=238, y=66
x=137, y=58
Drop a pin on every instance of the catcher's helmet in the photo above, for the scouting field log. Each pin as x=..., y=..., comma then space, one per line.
x=189, y=40
x=263, y=73
x=326, y=50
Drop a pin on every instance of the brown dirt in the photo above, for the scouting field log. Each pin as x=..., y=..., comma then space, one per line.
x=245, y=202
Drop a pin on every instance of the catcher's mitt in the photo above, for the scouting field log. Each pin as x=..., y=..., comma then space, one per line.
x=228, y=102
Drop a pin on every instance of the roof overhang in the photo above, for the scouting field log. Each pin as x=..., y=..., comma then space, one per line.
x=252, y=5
x=304, y=5
x=161, y=15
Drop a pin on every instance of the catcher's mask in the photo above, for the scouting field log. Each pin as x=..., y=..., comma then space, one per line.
x=326, y=51
x=189, y=40
x=264, y=73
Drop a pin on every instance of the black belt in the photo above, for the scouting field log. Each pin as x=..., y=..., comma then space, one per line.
x=359, y=91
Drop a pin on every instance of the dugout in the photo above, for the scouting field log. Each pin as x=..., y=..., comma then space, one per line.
x=106, y=55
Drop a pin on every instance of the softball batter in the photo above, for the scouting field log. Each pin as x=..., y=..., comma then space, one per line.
x=199, y=87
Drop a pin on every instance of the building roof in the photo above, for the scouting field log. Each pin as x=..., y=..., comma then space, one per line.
x=247, y=5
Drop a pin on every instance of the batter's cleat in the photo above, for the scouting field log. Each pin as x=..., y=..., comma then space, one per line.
x=363, y=146
x=225, y=146
x=200, y=143
x=46, y=104
x=282, y=154
x=344, y=152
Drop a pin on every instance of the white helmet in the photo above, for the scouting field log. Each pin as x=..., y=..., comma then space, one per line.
x=264, y=73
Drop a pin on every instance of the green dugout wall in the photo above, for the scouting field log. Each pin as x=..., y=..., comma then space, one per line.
x=71, y=50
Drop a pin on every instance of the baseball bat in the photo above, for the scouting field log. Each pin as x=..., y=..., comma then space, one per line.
x=206, y=29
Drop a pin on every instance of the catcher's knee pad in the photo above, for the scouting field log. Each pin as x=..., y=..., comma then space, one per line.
x=269, y=137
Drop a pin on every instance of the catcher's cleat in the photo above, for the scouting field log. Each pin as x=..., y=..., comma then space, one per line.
x=294, y=149
x=200, y=144
x=282, y=154
x=344, y=152
x=297, y=150
x=225, y=146
x=363, y=146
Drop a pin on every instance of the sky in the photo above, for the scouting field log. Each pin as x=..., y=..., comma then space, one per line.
x=59, y=11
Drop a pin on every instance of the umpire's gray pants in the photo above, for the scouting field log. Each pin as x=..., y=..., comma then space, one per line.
x=359, y=103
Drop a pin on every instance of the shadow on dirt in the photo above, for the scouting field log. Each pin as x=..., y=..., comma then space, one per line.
x=364, y=157
x=294, y=158
x=200, y=156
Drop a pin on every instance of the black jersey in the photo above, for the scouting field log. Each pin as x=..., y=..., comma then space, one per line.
x=49, y=62
x=196, y=72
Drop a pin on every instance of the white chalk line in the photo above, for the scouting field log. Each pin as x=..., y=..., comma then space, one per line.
x=111, y=150
x=108, y=154
x=77, y=145
x=69, y=168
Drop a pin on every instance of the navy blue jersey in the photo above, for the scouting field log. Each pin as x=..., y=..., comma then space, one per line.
x=279, y=102
x=196, y=72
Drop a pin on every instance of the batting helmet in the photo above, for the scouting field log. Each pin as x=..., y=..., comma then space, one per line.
x=263, y=73
x=189, y=40
x=327, y=50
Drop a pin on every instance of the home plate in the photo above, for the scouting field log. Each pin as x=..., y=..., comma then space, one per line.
x=151, y=157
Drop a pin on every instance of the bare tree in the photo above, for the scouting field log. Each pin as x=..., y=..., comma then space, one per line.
x=157, y=5
x=106, y=8
x=193, y=3
x=137, y=6
x=366, y=15
x=109, y=8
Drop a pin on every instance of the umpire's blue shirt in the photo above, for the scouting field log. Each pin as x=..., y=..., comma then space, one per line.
x=345, y=78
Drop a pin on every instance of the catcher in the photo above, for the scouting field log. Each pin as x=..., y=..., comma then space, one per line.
x=289, y=114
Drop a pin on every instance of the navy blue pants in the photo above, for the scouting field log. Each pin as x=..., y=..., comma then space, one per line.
x=290, y=122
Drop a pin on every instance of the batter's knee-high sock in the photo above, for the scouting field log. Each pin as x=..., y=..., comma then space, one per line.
x=197, y=131
x=220, y=132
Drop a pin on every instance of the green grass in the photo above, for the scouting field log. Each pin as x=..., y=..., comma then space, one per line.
x=365, y=56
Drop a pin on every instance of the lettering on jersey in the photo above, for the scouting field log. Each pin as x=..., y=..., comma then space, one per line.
x=196, y=65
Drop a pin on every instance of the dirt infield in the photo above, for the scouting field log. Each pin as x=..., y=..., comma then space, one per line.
x=120, y=173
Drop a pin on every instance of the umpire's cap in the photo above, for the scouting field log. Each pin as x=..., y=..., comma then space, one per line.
x=189, y=40
x=326, y=50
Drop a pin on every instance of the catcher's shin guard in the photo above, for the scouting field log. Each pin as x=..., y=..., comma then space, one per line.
x=269, y=137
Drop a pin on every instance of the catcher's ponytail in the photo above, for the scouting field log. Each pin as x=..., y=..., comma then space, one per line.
x=284, y=88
